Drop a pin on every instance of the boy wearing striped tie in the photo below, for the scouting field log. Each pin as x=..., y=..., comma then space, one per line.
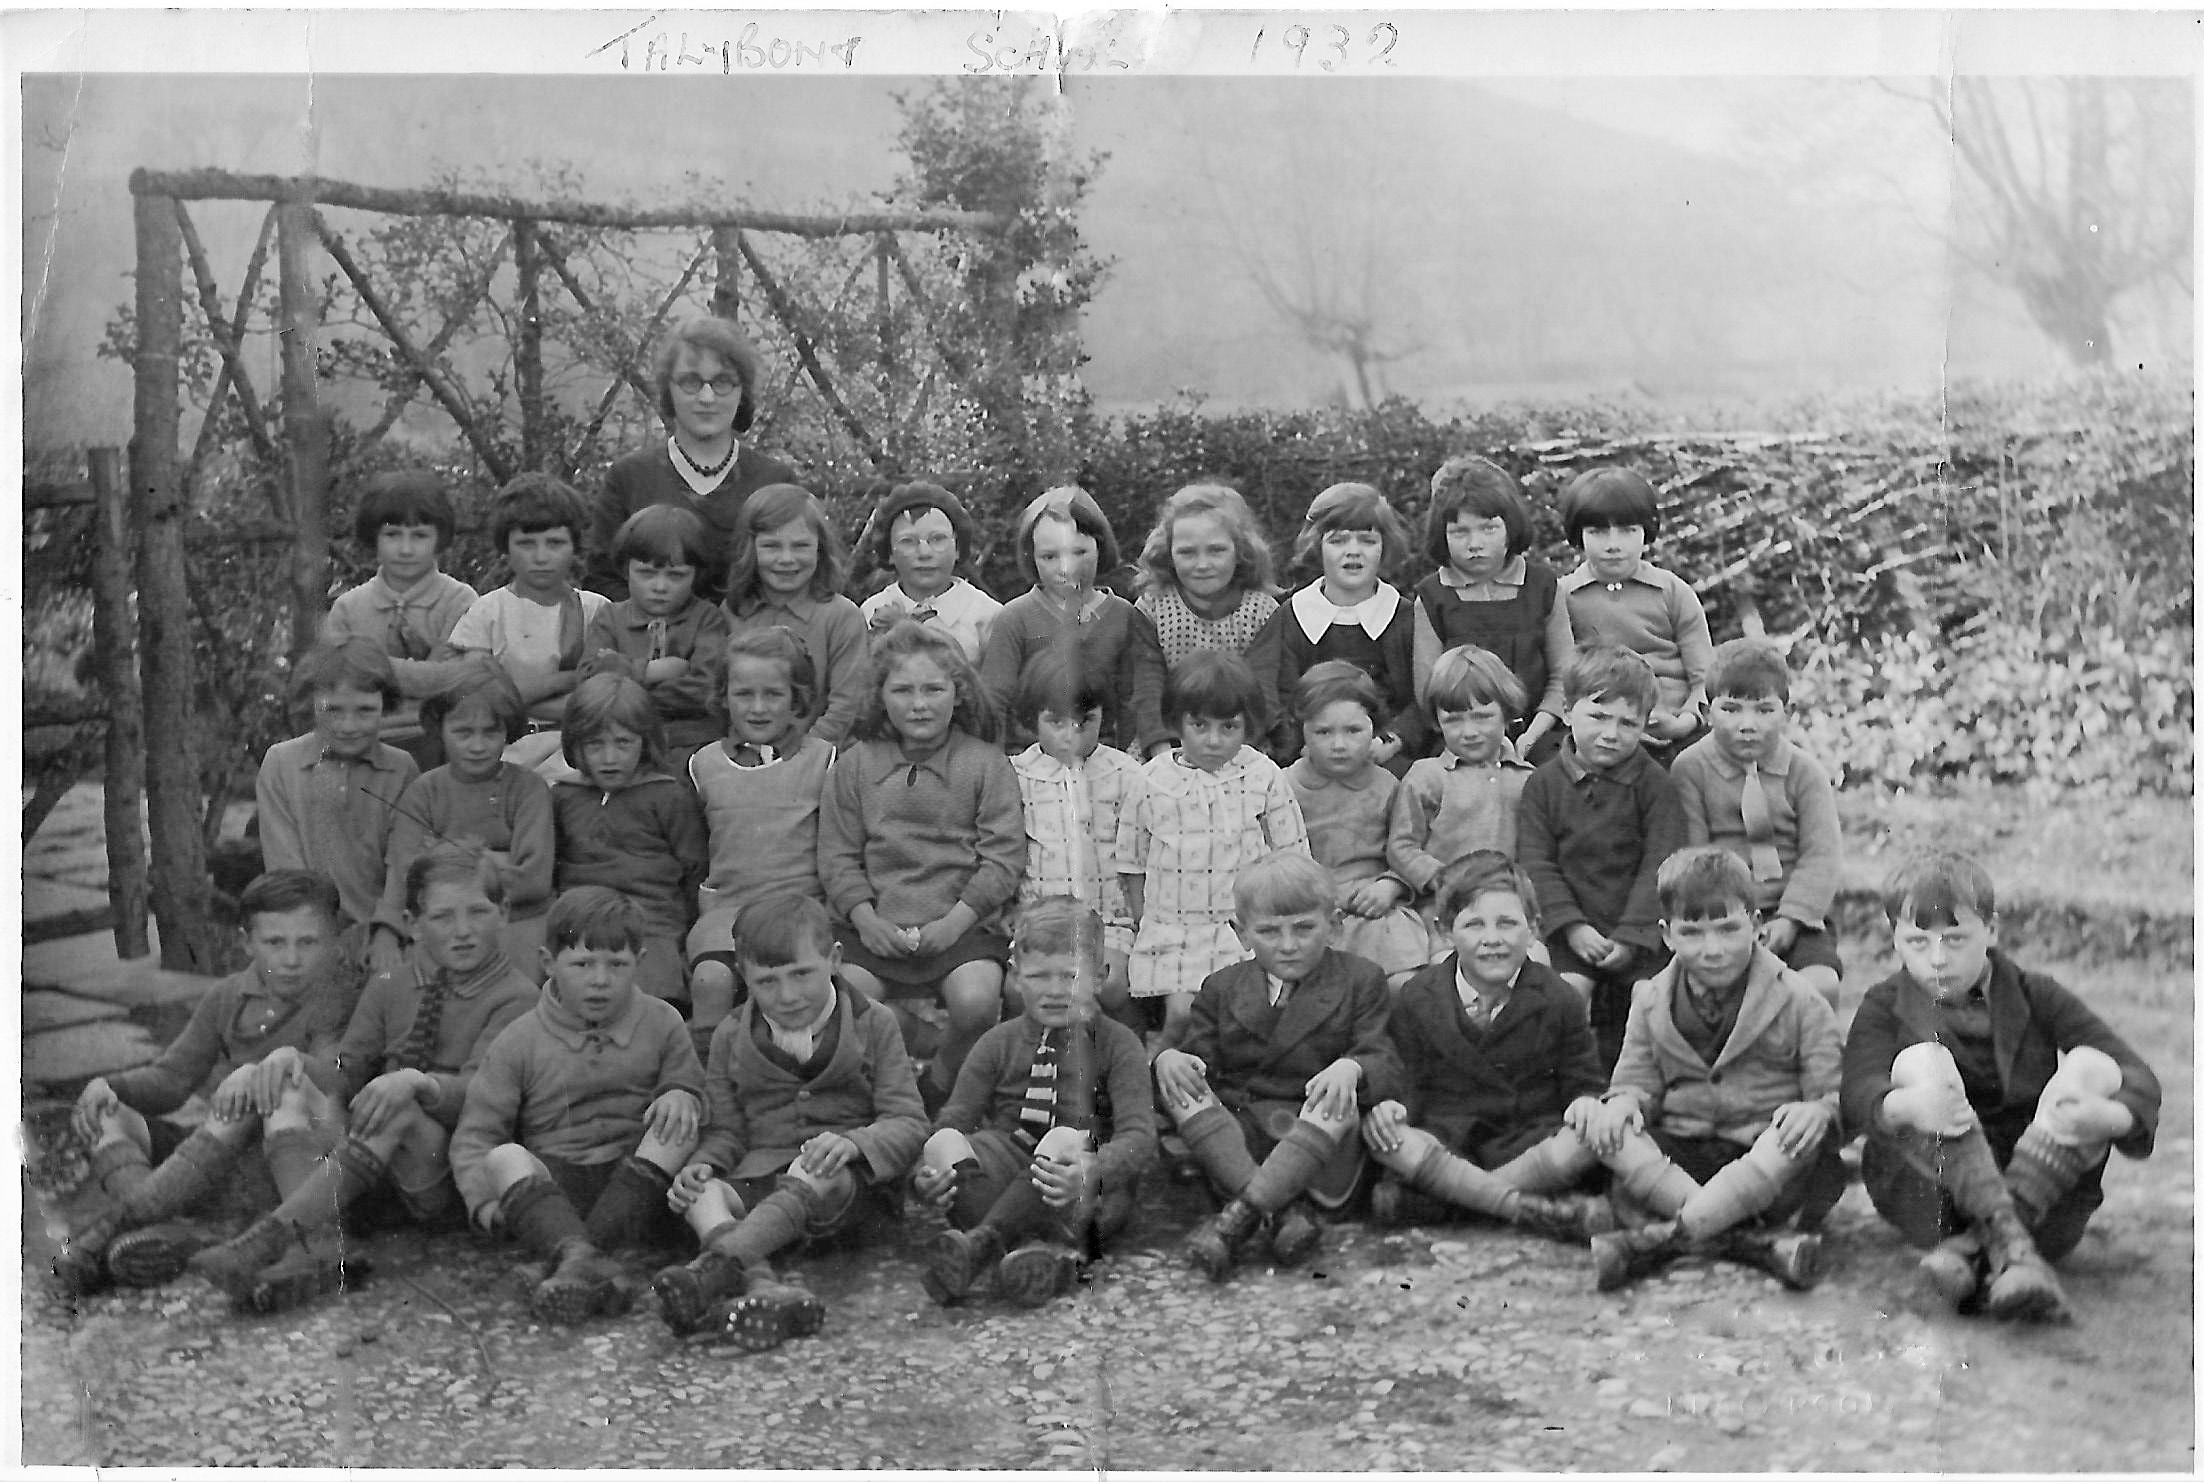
x=401, y=1071
x=814, y=1114
x=1037, y=1153
x=1749, y=790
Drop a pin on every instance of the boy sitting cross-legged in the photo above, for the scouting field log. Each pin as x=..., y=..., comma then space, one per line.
x=1493, y=1049
x=1991, y=1098
x=1722, y=1118
x=582, y=1112
x=1282, y=1056
x=295, y=994
x=814, y=1113
x=1039, y=1150
x=401, y=1071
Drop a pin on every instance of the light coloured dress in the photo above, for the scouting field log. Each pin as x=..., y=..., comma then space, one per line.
x=1072, y=814
x=963, y=611
x=1188, y=832
x=762, y=816
x=1348, y=822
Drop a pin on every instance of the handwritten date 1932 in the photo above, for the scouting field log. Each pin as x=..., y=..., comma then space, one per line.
x=1332, y=48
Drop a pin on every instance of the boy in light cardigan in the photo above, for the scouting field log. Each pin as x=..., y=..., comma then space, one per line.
x=815, y=1115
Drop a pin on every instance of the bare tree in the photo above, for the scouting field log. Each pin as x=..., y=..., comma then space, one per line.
x=2074, y=192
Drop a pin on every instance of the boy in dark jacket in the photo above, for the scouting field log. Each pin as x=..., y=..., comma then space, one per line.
x=1991, y=1098
x=1282, y=1055
x=1493, y=1049
x=814, y=1114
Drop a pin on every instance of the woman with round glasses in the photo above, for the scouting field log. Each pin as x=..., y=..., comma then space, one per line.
x=707, y=377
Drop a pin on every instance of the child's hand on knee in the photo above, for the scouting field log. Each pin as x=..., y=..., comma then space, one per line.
x=1801, y=1125
x=95, y=1104
x=1331, y=1091
x=1589, y=943
x=1603, y=1124
x=1062, y=1181
x=935, y=1186
x=1382, y=1128
x=274, y=1075
x=232, y=1100
x=1181, y=1078
x=688, y=1186
x=1779, y=935
x=826, y=1155
x=673, y=1118
x=385, y=1097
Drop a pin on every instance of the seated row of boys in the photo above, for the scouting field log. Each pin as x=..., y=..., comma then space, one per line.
x=577, y=1121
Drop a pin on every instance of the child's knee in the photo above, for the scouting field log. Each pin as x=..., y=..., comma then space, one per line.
x=1200, y=1101
x=301, y=1106
x=2077, y=1106
x=1926, y=1092
x=945, y=1150
x=711, y=988
x=664, y=1154
x=509, y=1163
x=1408, y=1155
x=1333, y=1125
x=1060, y=1144
x=1823, y=980
x=1927, y=1065
x=1768, y=1154
x=834, y=1186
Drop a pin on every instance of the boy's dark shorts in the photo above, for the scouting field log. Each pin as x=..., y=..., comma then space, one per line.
x=1814, y=947
x=584, y=1184
x=1810, y=1196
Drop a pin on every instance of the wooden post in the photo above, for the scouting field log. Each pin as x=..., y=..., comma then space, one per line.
x=528, y=353
x=178, y=883
x=887, y=337
x=118, y=670
x=727, y=285
x=305, y=425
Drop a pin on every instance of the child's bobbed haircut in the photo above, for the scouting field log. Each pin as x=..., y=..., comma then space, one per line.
x=770, y=508
x=483, y=684
x=1606, y=496
x=909, y=639
x=1482, y=489
x=412, y=496
x=534, y=502
x=1215, y=685
x=595, y=918
x=1934, y=887
x=1352, y=507
x=668, y=535
x=1076, y=507
x=355, y=664
x=891, y=502
x=1748, y=669
x=1286, y=883
x=603, y=701
x=1703, y=882
x=448, y=864
x=279, y=891
x=1476, y=873
x=1060, y=689
x=1605, y=671
x=1335, y=680
x=780, y=929
x=708, y=332
x=1252, y=570
x=1468, y=676
x=1057, y=926
x=779, y=646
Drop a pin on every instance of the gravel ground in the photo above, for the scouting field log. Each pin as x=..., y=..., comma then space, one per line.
x=1459, y=1347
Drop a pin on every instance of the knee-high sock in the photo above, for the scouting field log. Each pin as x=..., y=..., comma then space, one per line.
x=1548, y=1166
x=1458, y=1181
x=626, y=1211
x=541, y=1217
x=2043, y=1170
x=1967, y=1170
x=1648, y=1176
x=1213, y=1135
x=778, y=1222
x=351, y=1169
x=199, y=1164
x=1739, y=1189
x=1300, y=1155
x=292, y=1153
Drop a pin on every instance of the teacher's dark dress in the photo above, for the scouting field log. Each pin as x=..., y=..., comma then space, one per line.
x=648, y=477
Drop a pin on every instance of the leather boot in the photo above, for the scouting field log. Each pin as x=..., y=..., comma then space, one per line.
x=232, y=1264
x=686, y=1293
x=313, y=1267
x=1035, y=1275
x=768, y=1314
x=157, y=1254
x=1791, y=1258
x=1952, y=1272
x=957, y=1260
x=2021, y=1283
x=1214, y=1247
x=1570, y=1219
x=1295, y=1234
x=1620, y=1255
x=1395, y=1202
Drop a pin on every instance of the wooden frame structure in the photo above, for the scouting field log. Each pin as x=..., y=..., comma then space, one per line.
x=295, y=437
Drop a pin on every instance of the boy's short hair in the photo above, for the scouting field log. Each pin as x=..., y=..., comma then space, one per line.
x=1076, y=507
x=1352, y=507
x=595, y=917
x=1475, y=873
x=1057, y=926
x=891, y=502
x=486, y=683
x=1285, y=883
x=354, y=664
x=1214, y=685
x=604, y=700
x=404, y=497
x=1335, y=680
x=1605, y=671
x=534, y=502
x=1703, y=882
x=279, y=891
x=776, y=930
x=667, y=535
x=1931, y=888
x=721, y=338
x=1061, y=689
x=780, y=646
x=449, y=863
x=1482, y=489
x=1749, y=669
x=1468, y=676
x=1601, y=497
